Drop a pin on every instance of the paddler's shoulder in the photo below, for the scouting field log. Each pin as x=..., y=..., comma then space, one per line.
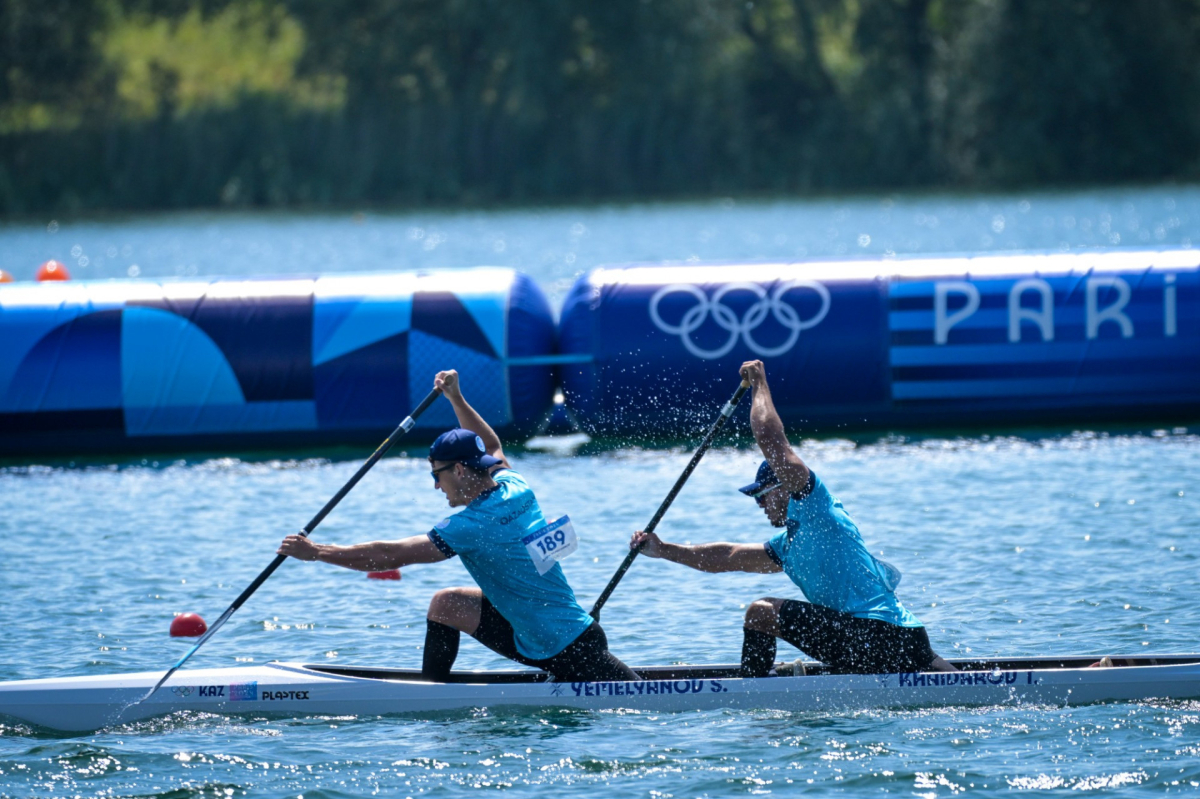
x=812, y=485
x=506, y=482
x=506, y=475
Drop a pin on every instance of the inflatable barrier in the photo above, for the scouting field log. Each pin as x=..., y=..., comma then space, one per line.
x=238, y=364
x=930, y=342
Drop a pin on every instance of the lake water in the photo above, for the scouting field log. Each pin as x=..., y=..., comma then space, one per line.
x=1059, y=542
x=557, y=245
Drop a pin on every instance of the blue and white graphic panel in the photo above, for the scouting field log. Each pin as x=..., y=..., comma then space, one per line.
x=1047, y=330
x=120, y=366
x=666, y=343
x=61, y=353
x=926, y=342
x=218, y=357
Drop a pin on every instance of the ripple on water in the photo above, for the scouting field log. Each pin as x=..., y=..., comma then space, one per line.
x=1009, y=545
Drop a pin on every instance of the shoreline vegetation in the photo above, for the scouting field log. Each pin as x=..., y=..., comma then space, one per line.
x=126, y=105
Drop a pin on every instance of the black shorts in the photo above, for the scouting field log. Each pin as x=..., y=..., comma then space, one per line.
x=586, y=659
x=848, y=643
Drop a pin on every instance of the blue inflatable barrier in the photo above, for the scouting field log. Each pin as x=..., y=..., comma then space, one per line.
x=995, y=339
x=138, y=365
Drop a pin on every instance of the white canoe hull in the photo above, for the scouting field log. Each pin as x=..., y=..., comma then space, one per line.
x=80, y=704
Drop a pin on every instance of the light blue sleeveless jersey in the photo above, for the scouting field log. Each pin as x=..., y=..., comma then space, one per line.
x=823, y=552
x=487, y=535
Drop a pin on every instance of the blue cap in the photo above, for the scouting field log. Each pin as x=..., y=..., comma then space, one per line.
x=462, y=446
x=763, y=481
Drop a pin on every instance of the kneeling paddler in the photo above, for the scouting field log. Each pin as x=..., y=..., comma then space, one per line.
x=852, y=620
x=523, y=607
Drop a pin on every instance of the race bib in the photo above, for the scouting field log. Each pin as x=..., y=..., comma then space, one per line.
x=551, y=543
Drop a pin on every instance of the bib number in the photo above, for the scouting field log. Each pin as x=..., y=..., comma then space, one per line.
x=551, y=543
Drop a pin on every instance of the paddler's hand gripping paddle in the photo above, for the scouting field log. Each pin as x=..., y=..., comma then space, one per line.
x=726, y=412
x=404, y=427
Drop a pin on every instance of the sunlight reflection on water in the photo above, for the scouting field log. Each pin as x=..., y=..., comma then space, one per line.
x=1040, y=543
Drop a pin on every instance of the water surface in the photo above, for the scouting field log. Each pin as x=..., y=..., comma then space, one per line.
x=555, y=245
x=1064, y=544
x=1060, y=542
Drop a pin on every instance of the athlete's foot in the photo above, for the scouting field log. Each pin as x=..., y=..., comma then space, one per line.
x=941, y=664
x=793, y=669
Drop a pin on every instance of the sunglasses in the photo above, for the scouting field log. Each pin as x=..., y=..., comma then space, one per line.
x=434, y=473
x=761, y=494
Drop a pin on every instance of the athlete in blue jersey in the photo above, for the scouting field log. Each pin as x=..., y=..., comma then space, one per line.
x=523, y=608
x=852, y=620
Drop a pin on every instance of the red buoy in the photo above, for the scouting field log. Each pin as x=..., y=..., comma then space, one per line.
x=390, y=574
x=53, y=270
x=188, y=625
x=5, y=277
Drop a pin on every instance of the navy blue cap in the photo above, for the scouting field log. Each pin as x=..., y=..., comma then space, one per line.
x=763, y=481
x=462, y=446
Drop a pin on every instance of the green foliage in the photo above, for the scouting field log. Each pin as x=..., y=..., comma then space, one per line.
x=1062, y=90
x=198, y=62
x=176, y=103
x=48, y=66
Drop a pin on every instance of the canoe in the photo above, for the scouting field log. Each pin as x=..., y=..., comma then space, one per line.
x=82, y=704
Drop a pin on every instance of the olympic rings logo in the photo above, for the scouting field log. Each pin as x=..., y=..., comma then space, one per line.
x=727, y=319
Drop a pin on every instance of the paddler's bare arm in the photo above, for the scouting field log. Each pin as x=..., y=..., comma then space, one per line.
x=372, y=556
x=468, y=418
x=769, y=433
x=712, y=558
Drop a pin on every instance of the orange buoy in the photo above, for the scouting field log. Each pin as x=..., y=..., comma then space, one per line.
x=188, y=625
x=390, y=574
x=53, y=270
x=5, y=277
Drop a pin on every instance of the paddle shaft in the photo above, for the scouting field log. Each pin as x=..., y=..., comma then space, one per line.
x=723, y=417
x=401, y=429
